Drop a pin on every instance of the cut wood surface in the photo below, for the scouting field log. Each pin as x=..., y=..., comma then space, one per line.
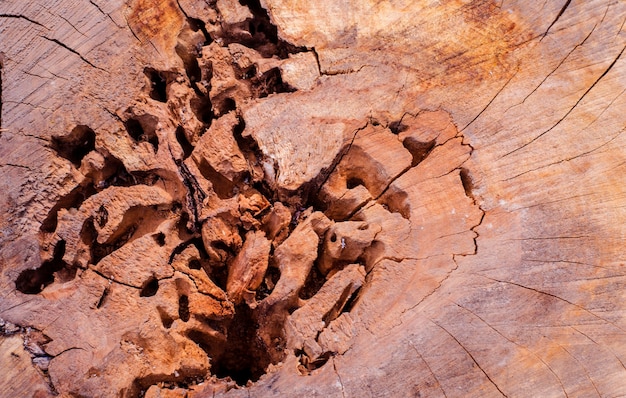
x=286, y=198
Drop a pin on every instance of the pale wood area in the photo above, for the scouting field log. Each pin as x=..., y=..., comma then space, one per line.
x=346, y=199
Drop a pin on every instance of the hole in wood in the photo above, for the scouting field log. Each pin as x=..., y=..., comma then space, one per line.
x=136, y=131
x=33, y=281
x=354, y=182
x=158, y=84
x=419, y=150
x=149, y=288
x=195, y=264
x=183, y=308
x=103, y=297
x=159, y=238
x=182, y=139
x=75, y=145
x=244, y=358
x=248, y=335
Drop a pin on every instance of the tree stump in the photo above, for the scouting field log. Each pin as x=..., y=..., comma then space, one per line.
x=345, y=199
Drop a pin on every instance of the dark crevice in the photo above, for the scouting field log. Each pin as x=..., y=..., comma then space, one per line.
x=224, y=188
x=269, y=282
x=202, y=105
x=219, y=274
x=159, y=238
x=158, y=84
x=102, y=216
x=19, y=16
x=65, y=46
x=190, y=62
x=203, y=109
x=354, y=182
x=228, y=105
x=33, y=281
x=468, y=184
x=73, y=199
x=194, y=197
x=352, y=300
x=103, y=297
x=198, y=25
x=397, y=127
x=183, y=308
x=75, y=145
x=195, y=264
x=243, y=357
x=557, y=18
x=419, y=150
x=185, y=145
x=271, y=82
x=248, y=73
x=314, y=282
x=196, y=242
x=253, y=154
x=139, y=132
x=264, y=35
x=149, y=287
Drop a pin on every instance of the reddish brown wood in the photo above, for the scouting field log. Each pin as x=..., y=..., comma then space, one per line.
x=286, y=198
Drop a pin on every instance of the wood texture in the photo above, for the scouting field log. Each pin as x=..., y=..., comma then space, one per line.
x=439, y=186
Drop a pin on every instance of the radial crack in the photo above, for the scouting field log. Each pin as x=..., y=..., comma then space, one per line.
x=471, y=357
x=606, y=71
x=19, y=16
x=72, y=51
x=556, y=19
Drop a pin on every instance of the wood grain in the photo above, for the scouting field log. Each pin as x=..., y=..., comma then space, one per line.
x=481, y=140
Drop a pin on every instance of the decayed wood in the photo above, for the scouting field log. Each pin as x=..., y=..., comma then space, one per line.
x=326, y=199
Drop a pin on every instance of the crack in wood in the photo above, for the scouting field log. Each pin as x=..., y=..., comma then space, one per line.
x=608, y=347
x=236, y=324
x=65, y=46
x=104, y=13
x=490, y=101
x=343, y=393
x=429, y=368
x=19, y=16
x=516, y=344
x=471, y=357
x=554, y=296
x=568, y=159
x=567, y=3
x=582, y=365
x=559, y=64
x=68, y=22
x=581, y=98
x=15, y=165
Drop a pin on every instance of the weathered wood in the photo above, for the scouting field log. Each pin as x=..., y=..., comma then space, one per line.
x=439, y=186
